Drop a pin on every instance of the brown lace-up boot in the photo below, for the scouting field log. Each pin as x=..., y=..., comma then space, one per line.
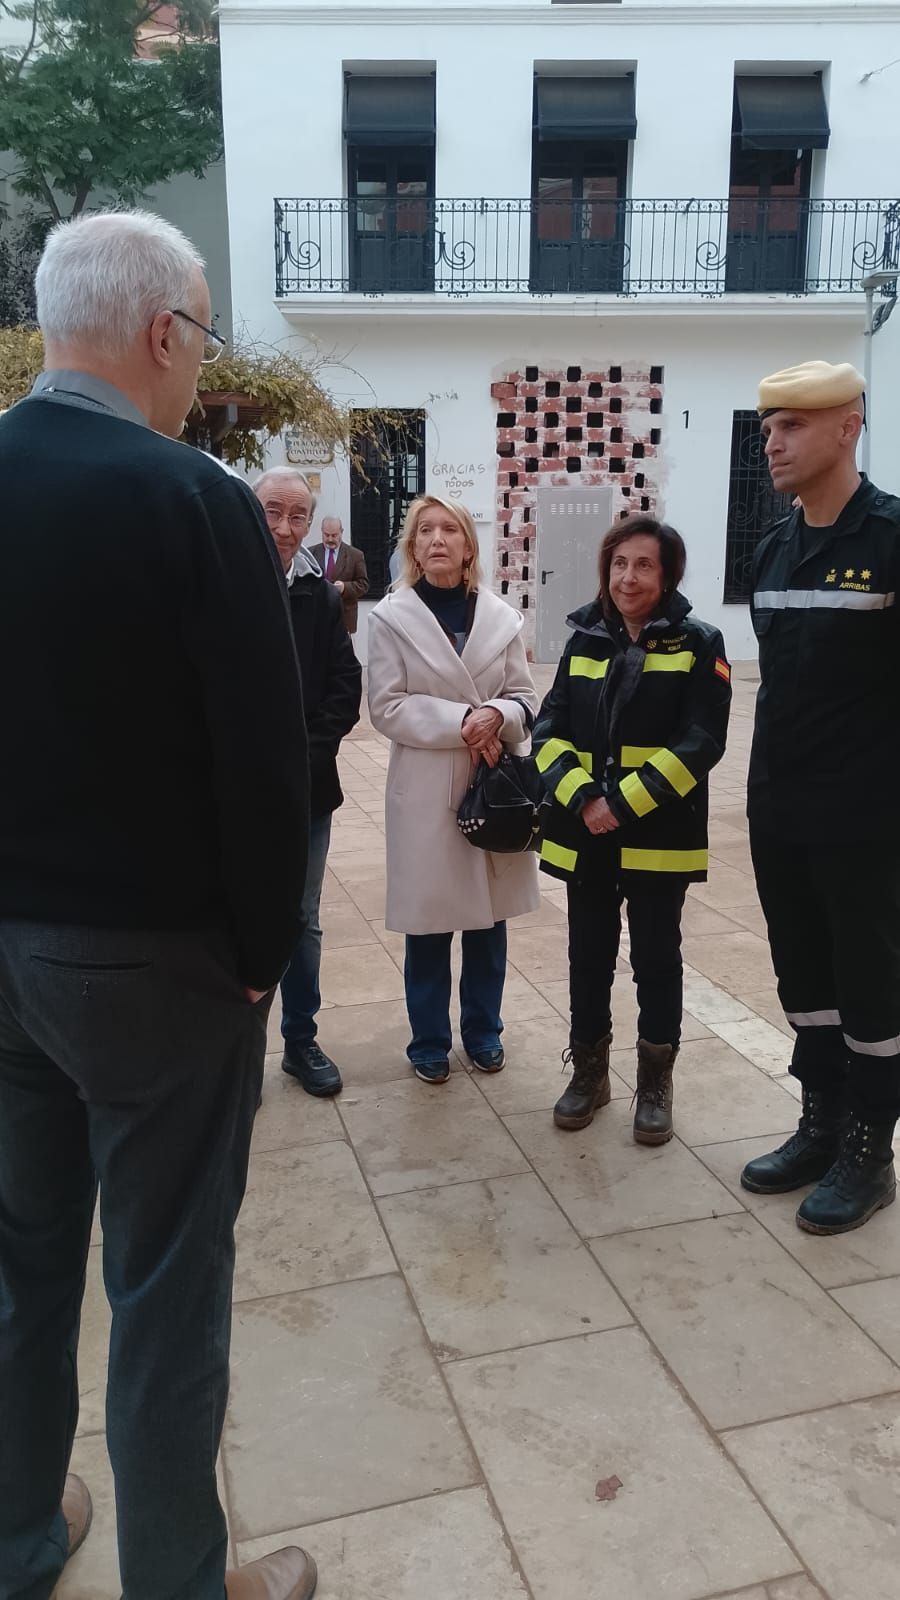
x=653, y=1111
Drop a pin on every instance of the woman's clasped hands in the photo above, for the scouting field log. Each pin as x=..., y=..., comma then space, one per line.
x=480, y=730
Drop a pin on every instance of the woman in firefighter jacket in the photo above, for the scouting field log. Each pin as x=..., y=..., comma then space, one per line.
x=635, y=720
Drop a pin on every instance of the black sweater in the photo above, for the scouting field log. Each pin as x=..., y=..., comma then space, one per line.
x=154, y=752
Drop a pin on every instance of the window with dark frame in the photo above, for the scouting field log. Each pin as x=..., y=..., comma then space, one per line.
x=386, y=473
x=389, y=126
x=753, y=505
x=777, y=123
x=582, y=128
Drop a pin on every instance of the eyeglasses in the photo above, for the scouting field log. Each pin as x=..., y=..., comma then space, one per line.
x=213, y=344
x=297, y=520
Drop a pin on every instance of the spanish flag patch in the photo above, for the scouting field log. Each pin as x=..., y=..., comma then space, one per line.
x=723, y=669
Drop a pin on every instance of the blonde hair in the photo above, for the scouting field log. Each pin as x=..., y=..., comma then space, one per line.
x=411, y=572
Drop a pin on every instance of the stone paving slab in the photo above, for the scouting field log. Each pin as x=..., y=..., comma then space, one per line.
x=476, y=1358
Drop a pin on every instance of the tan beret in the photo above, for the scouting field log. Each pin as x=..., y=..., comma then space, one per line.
x=813, y=386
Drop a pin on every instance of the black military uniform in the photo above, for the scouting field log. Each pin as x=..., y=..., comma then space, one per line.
x=640, y=723
x=823, y=788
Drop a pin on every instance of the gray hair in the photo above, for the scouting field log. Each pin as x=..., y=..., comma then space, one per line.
x=103, y=278
x=336, y=520
x=287, y=476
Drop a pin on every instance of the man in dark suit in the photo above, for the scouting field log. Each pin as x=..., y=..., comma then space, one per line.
x=153, y=840
x=343, y=566
x=332, y=690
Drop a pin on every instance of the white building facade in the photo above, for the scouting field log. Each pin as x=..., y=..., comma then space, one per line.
x=562, y=240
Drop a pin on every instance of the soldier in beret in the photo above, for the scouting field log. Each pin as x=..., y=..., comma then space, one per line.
x=823, y=792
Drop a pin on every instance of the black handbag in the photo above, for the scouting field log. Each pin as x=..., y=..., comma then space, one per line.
x=501, y=810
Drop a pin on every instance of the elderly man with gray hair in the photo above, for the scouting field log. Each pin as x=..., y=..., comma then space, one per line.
x=332, y=690
x=153, y=822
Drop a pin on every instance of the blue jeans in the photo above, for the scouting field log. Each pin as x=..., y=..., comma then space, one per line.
x=300, y=997
x=133, y=1060
x=427, y=976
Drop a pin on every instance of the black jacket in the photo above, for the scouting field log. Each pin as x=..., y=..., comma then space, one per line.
x=330, y=674
x=151, y=720
x=641, y=723
x=828, y=714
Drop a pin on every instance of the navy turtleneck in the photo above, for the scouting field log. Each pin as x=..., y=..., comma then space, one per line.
x=449, y=606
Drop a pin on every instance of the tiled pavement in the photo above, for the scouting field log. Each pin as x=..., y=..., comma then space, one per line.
x=479, y=1359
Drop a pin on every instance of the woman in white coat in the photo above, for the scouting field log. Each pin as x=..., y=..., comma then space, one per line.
x=448, y=683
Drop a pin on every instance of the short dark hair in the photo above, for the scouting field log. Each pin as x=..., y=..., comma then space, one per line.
x=672, y=554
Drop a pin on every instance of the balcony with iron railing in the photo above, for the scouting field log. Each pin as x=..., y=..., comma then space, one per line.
x=415, y=246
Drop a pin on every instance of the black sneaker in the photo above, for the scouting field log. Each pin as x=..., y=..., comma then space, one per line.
x=488, y=1060
x=432, y=1071
x=313, y=1068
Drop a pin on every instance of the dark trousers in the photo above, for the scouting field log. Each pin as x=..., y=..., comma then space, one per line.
x=428, y=982
x=300, y=996
x=654, y=925
x=833, y=915
x=132, y=1060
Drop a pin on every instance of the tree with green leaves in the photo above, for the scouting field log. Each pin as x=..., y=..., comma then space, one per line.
x=105, y=98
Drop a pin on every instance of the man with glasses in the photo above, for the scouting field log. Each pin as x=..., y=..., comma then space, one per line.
x=153, y=833
x=332, y=690
x=213, y=343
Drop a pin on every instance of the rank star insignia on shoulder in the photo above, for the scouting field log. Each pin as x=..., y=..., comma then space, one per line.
x=850, y=572
x=865, y=574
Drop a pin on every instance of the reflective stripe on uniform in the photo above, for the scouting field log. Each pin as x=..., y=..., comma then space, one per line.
x=636, y=795
x=681, y=661
x=674, y=771
x=570, y=783
x=551, y=751
x=814, y=1019
x=877, y=1047
x=586, y=667
x=558, y=855
x=585, y=759
x=636, y=755
x=665, y=860
x=826, y=599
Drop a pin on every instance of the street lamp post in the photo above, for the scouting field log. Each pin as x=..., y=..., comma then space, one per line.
x=874, y=281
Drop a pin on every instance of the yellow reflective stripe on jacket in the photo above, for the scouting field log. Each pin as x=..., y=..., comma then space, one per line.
x=558, y=855
x=674, y=771
x=681, y=661
x=569, y=783
x=664, y=860
x=636, y=755
x=587, y=667
x=551, y=751
x=637, y=795
x=585, y=759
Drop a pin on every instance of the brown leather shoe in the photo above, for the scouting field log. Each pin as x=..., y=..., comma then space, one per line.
x=288, y=1574
x=78, y=1511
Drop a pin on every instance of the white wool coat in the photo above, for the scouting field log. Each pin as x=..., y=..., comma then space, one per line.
x=419, y=692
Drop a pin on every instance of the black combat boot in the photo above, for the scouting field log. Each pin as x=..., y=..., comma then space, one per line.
x=653, y=1112
x=808, y=1153
x=860, y=1182
x=589, y=1088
